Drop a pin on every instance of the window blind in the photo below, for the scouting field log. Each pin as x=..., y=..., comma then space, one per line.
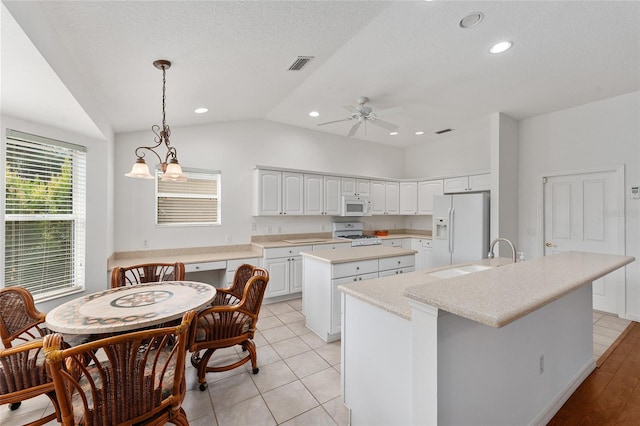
x=196, y=201
x=45, y=214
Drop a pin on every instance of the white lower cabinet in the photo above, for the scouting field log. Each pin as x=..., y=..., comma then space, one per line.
x=285, y=270
x=423, y=255
x=321, y=297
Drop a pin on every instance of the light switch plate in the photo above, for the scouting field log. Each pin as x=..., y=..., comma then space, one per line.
x=635, y=192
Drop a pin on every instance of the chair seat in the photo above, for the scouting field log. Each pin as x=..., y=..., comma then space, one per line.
x=23, y=371
x=221, y=325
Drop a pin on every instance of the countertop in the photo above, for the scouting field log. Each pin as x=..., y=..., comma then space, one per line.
x=494, y=297
x=354, y=254
x=232, y=252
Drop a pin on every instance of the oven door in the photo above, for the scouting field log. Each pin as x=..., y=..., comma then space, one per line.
x=355, y=206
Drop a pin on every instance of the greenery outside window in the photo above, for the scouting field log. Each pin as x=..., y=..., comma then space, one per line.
x=45, y=215
x=194, y=202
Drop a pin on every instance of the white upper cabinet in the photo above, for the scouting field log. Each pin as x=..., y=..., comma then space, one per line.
x=471, y=183
x=353, y=186
x=408, y=198
x=426, y=191
x=277, y=193
x=385, y=197
x=321, y=195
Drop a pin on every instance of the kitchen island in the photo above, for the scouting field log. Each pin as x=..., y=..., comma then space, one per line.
x=324, y=270
x=504, y=345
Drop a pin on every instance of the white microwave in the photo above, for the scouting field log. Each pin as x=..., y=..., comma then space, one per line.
x=354, y=205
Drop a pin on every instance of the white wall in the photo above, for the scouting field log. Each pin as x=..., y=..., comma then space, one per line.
x=99, y=213
x=459, y=153
x=597, y=135
x=236, y=148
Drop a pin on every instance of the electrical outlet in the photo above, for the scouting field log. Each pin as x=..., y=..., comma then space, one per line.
x=269, y=229
x=229, y=239
x=279, y=229
x=323, y=227
x=254, y=226
x=145, y=243
x=541, y=363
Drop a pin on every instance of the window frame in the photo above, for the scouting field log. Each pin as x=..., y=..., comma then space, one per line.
x=75, y=257
x=190, y=173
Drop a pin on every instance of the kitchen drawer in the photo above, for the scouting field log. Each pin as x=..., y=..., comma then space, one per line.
x=346, y=280
x=232, y=265
x=396, y=271
x=332, y=246
x=355, y=268
x=275, y=252
x=397, y=262
x=205, y=266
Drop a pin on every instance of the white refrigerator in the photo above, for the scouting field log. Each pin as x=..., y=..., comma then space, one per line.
x=460, y=229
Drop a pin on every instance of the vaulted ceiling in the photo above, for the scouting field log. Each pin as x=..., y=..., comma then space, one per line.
x=232, y=57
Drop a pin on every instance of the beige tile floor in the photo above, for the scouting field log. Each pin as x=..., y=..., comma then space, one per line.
x=298, y=382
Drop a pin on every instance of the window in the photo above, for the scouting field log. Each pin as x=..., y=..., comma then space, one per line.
x=194, y=202
x=45, y=197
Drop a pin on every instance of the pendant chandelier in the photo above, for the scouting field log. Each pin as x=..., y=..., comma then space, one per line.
x=170, y=167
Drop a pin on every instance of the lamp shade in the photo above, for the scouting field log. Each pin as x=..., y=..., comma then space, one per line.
x=139, y=170
x=174, y=172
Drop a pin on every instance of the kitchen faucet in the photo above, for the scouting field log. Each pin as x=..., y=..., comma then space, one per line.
x=494, y=242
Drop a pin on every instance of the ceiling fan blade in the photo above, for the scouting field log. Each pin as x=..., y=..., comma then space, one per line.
x=384, y=124
x=354, y=129
x=390, y=111
x=335, y=121
x=350, y=108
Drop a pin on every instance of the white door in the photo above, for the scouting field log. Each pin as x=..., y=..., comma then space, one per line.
x=581, y=214
x=313, y=195
x=426, y=191
x=408, y=198
x=331, y=195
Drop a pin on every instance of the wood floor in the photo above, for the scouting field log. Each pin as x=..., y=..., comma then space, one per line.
x=611, y=394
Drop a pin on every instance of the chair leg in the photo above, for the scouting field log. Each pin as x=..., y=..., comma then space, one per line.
x=251, y=347
x=200, y=363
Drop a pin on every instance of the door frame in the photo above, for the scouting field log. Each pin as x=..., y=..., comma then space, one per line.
x=618, y=210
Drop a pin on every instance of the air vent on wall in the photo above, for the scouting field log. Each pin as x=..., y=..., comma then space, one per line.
x=439, y=132
x=299, y=63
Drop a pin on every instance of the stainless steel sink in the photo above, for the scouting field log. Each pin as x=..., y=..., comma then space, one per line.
x=456, y=272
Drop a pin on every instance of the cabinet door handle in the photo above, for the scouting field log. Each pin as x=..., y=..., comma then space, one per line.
x=357, y=268
x=355, y=279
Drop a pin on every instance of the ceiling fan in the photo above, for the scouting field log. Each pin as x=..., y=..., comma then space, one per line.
x=364, y=114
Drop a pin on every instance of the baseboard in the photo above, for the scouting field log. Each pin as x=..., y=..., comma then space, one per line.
x=633, y=317
x=547, y=414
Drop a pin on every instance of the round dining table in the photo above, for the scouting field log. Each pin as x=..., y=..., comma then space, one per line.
x=129, y=308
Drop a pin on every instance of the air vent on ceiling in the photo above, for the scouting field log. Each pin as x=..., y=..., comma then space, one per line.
x=299, y=63
x=439, y=132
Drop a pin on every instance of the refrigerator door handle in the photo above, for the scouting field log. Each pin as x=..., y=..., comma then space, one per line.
x=452, y=212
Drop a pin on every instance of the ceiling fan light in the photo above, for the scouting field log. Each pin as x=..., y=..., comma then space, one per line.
x=201, y=110
x=139, y=170
x=393, y=133
x=419, y=132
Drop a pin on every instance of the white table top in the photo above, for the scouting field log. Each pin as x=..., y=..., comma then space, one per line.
x=129, y=308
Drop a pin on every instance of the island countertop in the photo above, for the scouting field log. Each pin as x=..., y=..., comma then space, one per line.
x=496, y=296
x=355, y=254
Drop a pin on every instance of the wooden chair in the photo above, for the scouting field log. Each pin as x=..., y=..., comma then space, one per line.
x=22, y=367
x=20, y=321
x=146, y=273
x=133, y=378
x=226, y=326
x=233, y=294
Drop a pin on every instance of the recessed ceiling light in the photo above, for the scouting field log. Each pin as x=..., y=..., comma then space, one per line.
x=419, y=133
x=501, y=47
x=471, y=20
x=201, y=110
x=314, y=114
x=393, y=133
